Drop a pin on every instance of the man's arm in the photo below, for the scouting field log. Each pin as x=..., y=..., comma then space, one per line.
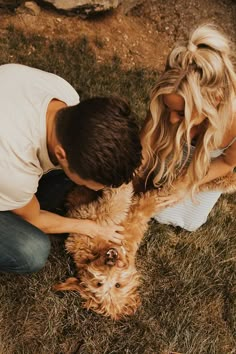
x=51, y=223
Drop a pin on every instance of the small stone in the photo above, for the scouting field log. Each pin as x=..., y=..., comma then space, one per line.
x=29, y=7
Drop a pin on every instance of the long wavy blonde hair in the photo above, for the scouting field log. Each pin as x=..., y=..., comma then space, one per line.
x=201, y=72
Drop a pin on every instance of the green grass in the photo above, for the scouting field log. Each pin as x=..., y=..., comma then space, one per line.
x=188, y=289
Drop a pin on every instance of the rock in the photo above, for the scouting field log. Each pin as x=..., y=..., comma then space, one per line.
x=81, y=7
x=84, y=6
x=32, y=7
x=29, y=7
x=128, y=5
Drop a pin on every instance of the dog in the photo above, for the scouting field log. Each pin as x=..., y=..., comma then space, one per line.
x=107, y=278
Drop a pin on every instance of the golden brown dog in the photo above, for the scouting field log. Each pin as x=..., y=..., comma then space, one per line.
x=106, y=274
x=107, y=277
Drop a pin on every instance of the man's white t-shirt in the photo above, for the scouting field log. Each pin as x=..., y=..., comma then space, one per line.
x=24, y=97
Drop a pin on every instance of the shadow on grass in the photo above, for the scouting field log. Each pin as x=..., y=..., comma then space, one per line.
x=76, y=63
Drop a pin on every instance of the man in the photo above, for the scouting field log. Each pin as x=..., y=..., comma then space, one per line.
x=44, y=127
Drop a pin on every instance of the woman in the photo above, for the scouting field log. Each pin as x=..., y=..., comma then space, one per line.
x=189, y=136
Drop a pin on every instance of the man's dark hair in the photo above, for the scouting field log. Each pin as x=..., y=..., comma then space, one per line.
x=100, y=136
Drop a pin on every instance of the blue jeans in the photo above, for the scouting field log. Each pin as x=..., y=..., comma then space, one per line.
x=23, y=247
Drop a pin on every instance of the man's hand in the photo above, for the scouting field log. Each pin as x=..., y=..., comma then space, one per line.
x=108, y=233
x=51, y=223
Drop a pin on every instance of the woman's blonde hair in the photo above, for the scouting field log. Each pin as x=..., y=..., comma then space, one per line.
x=201, y=72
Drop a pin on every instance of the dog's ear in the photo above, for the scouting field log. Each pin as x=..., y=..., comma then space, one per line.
x=70, y=284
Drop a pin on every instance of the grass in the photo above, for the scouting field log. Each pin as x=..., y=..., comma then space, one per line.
x=188, y=289
x=77, y=64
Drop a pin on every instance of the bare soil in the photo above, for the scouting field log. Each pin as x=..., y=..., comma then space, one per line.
x=141, y=38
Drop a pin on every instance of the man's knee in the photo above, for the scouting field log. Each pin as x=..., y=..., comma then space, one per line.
x=35, y=253
x=27, y=255
x=23, y=247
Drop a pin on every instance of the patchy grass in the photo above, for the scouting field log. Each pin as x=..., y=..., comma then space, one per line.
x=77, y=64
x=189, y=279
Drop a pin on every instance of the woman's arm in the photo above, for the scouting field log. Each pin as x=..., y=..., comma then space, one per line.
x=221, y=166
x=225, y=163
x=182, y=188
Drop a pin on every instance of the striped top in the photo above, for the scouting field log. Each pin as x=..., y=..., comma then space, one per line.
x=188, y=214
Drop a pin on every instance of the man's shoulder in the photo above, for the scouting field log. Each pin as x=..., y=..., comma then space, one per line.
x=21, y=80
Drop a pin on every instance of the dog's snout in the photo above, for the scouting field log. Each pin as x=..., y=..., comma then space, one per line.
x=111, y=256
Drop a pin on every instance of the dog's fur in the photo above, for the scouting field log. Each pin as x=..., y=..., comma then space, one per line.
x=106, y=274
x=107, y=277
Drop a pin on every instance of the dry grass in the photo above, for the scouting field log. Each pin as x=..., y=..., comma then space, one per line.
x=189, y=279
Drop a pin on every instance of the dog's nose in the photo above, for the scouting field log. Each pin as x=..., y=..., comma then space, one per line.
x=111, y=256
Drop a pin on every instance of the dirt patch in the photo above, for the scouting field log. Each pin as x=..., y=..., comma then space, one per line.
x=141, y=38
x=130, y=38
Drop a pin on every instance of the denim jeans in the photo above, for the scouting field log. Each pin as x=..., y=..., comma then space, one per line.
x=23, y=247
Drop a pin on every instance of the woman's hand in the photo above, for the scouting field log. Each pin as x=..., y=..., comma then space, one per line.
x=108, y=233
x=175, y=194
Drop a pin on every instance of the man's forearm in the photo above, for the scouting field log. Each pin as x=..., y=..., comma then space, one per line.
x=51, y=223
